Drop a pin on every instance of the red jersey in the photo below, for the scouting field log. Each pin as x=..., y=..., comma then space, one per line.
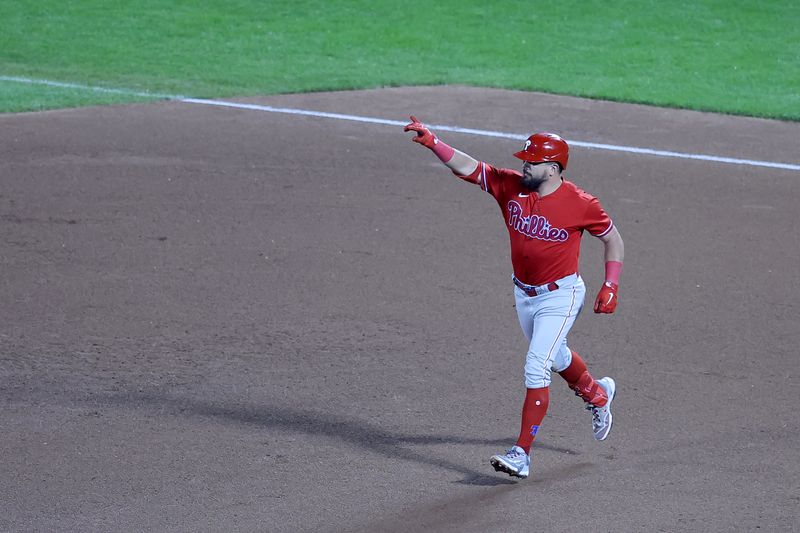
x=545, y=232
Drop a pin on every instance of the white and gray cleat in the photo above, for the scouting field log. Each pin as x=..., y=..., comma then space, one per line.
x=601, y=416
x=515, y=462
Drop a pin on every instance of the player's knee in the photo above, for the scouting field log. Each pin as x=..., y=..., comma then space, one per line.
x=562, y=360
x=537, y=376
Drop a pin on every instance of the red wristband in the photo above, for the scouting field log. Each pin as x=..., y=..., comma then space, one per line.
x=443, y=151
x=613, y=270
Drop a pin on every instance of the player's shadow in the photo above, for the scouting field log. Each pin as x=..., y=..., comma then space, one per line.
x=354, y=432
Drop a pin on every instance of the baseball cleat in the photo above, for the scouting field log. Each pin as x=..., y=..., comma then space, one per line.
x=601, y=416
x=515, y=462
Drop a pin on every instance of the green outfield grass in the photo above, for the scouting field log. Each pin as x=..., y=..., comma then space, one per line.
x=731, y=56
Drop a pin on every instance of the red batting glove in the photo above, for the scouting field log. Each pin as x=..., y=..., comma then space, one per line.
x=424, y=136
x=606, y=301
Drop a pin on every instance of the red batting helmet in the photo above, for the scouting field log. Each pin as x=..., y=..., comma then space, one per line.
x=541, y=147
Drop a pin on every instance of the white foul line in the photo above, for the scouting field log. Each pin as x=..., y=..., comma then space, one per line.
x=65, y=85
x=487, y=133
x=371, y=120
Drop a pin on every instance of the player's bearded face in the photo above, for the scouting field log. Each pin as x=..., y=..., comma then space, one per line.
x=534, y=174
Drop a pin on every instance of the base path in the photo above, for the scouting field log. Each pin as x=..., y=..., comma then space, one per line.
x=225, y=319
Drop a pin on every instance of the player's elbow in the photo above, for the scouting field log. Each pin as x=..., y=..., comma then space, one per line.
x=617, y=245
x=462, y=164
x=618, y=239
x=613, y=242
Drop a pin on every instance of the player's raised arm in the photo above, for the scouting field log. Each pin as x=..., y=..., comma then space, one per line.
x=606, y=301
x=457, y=161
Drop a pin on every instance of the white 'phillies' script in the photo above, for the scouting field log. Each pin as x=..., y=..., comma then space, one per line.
x=534, y=226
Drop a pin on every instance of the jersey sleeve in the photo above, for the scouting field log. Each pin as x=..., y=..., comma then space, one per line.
x=596, y=221
x=489, y=178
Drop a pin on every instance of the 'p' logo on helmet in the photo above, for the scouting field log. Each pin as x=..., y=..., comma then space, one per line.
x=542, y=147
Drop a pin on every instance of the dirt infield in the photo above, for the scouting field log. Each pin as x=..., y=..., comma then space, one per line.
x=219, y=319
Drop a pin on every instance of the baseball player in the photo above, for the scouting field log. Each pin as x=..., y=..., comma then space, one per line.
x=546, y=216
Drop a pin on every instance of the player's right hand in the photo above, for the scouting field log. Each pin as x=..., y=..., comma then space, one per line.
x=424, y=136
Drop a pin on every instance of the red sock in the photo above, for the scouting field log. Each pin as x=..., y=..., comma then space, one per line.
x=533, y=411
x=581, y=381
x=573, y=372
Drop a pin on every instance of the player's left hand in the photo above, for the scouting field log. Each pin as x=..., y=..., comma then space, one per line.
x=606, y=301
x=425, y=137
